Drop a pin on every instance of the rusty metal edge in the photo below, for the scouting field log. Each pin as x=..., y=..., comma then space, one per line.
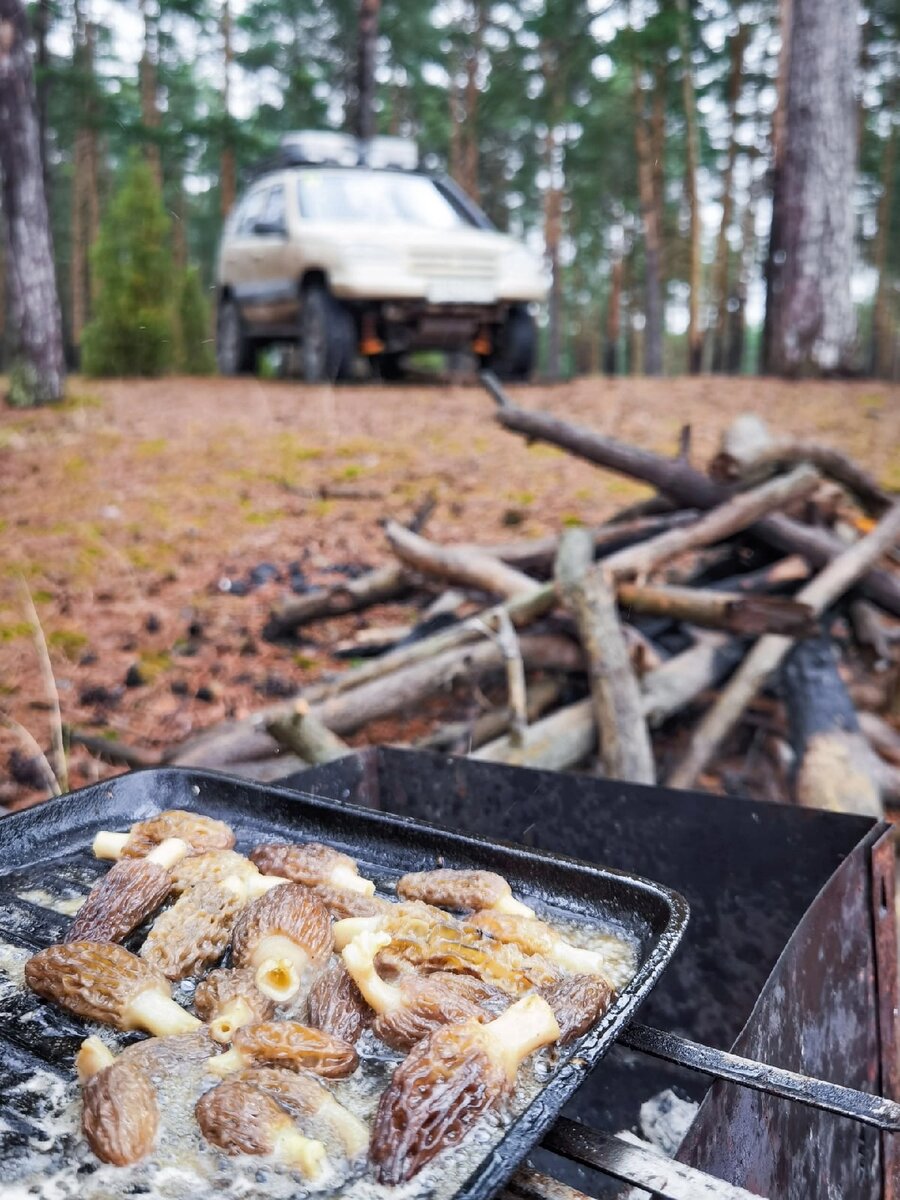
x=883, y=859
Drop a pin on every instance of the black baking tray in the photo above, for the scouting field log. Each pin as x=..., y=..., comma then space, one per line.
x=48, y=849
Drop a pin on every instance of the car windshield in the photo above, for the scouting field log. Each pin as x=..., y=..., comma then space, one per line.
x=376, y=197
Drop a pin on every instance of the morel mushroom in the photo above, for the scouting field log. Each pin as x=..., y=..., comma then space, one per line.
x=578, y=1001
x=537, y=937
x=415, y=1005
x=279, y=935
x=311, y=863
x=215, y=866
x=194, y=932
x=106, y=983
x=200, y=833
x=336, y=1004
x=130, y=892
x=448, y=1081
x=306, y=1098
x=463, y=890
x=229, y=999
x=120, y=1116
x=287, y=1044
x=417, y=941
x=161, y=1056
x=240, y=1119
x=341, y=902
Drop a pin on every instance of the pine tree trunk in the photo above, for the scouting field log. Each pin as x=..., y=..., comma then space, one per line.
x=734, y=359
x=468, y=130
x=613, y=319
x=884, y=325
x=695, y=333
x=34, y=305
x=653, y=305
x=720, y=281
x=147, y=83
x=658, y=154
x=227, y=165
x=365, y=69
x=85, y=211
x=42, y=82
x=778, y=138
x=812, y=319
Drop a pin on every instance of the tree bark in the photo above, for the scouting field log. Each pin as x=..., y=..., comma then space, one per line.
x=732, y=611
x=227, y=163
x=653, y=302
x=34, y=304
x=692, y=162
x=589, y=595
x=367, y=43
x=148, y=86
x=813, y=323
x=720, y=283
x=613, y=320
x=884, y=325
x=85, y=181
x=778, y=139
x=735, y=333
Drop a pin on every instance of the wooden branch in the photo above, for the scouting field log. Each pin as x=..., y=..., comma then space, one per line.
x=882, y=737
x=678, y=682
x=463, y=566
x=762, y=459
x=747, y=614
x=836, y=767
x=588, y=595
x=768, y=653
x=465, y=736
x=516, y=692
x=538, y=554
x=719, y=523
x=689, y=488
x=111, y=750
x=783, y=572
x=869, y=630
x=349, y=595
x=269, y=770
x=558, y=742
x=303, y=734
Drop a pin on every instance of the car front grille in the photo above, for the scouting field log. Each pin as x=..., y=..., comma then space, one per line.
x=440, y=263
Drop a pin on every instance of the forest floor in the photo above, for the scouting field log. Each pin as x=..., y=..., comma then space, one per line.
x=133, y=512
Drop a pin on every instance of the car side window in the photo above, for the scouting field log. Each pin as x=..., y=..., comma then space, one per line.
x=252, y=211
x=274, y=213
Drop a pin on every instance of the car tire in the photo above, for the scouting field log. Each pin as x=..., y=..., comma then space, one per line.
x=516, y=353
x=327, y=337
x=235, y=352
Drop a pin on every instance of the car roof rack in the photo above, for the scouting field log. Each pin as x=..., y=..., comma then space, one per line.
x=323, y=148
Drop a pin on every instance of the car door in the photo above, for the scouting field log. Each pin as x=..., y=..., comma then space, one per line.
x=276, y=295
x=239, y=268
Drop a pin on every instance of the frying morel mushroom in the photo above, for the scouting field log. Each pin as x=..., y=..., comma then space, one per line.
x=130, y=892
x=341, y=902
x=311, y=863
x=336, y=1004
x=306, y=1098
x=415, y=1005
x=537, y=937
x=279, y=935
x=106, y=983
x=287, y=1044
x=120, y=1115
x=194, y=932
x=200, y=833
x=229, y=999
x=215, y=866
x=448, y=1080
x=418, y=941
x=578, y=1001
x=463, y=890
x=241, y=1119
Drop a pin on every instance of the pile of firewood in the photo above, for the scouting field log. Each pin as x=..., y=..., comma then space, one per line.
x=736, y=625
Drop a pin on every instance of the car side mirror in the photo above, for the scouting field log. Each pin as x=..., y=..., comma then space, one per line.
x=269, y=228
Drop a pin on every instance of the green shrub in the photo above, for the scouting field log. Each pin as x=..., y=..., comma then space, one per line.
x=131, y=332
x=195, y=351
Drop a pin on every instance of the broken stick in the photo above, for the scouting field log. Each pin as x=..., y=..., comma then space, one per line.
x=303, y=733
x=589, y=596
x=769, y=652
x=747, y=613
x=463, y=566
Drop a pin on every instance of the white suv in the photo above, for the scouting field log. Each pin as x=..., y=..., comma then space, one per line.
x=350, y=250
